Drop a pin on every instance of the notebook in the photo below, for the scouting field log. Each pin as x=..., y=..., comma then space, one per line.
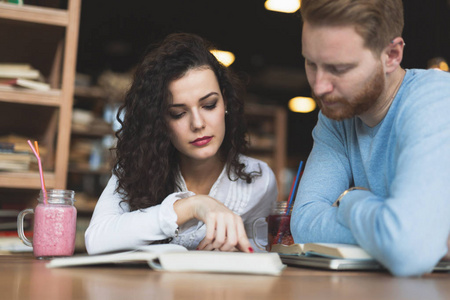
x=343, y=264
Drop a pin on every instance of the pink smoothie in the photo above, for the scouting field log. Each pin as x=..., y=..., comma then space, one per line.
x=54, y=230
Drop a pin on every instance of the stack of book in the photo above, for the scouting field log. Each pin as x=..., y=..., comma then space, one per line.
x=22, y=75
x=12, y=160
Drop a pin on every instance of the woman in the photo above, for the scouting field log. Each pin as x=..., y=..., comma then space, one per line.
x=180, y=175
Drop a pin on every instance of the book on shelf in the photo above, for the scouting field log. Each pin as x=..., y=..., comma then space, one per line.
x=14, y=161
x=176, y=258
x=6, y=147
x=15, y=66
x=19, y=144
x=13, y=166
x=25, y=83
x=15, y=156
x=12, y=70
x=333, y=250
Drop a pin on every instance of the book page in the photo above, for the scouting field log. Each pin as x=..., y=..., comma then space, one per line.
x=337, y=250
x=143, y=253
x=220, y=262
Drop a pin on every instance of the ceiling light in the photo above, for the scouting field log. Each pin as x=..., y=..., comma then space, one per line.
x=302, y=104
x=284, y=6
x=443, y=66
x=224, y=57
x=438, y=63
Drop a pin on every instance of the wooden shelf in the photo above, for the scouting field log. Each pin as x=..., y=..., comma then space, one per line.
x=16, y=95
x=34, y=14
x=47, y=39
x=85, y=179
x=26, y=180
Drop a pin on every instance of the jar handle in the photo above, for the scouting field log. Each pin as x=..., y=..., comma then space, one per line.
x=20, y=231
x=254, y=229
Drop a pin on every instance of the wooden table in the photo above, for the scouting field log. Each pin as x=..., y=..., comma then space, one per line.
x=23, y=277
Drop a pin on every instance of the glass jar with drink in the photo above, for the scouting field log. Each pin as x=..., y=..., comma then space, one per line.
x=278, y=227
x=54, y=228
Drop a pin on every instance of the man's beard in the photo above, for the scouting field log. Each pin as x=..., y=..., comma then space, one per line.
x=361, y=103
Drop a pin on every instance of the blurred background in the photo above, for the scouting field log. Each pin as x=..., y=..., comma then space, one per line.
x=74, y=140
x=266, y=44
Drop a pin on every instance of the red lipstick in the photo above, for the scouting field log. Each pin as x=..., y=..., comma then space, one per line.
x=202, y=141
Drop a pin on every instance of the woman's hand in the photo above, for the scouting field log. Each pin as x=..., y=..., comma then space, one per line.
x=224, y=229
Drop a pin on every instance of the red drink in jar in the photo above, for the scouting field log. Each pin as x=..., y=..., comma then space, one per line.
x=278, y=227
x=279, y=230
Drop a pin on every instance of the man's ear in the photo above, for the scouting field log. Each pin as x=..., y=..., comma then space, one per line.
x=394, y=54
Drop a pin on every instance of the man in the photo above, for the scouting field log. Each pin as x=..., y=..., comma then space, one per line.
x=382, y=141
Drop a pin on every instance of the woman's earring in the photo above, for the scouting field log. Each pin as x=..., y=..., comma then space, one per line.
x=226, y=112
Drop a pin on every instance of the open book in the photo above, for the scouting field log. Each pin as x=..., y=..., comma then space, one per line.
x=323, y=249
x=334, y=257
x=176, y=258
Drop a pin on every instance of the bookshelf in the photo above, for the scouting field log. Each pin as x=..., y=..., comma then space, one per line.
x=89, y=157
x=267, y=128
x=47, y=38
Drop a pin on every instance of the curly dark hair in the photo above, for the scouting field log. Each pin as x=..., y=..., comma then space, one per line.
x=146, y=161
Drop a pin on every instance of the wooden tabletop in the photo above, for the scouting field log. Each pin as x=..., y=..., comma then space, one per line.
x=23, y=277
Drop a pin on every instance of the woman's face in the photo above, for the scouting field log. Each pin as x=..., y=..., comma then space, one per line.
x=196, y=115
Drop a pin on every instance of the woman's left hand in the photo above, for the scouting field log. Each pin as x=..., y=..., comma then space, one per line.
x=225, y=230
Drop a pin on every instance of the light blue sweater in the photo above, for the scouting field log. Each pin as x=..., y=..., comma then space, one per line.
x=404, y=220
